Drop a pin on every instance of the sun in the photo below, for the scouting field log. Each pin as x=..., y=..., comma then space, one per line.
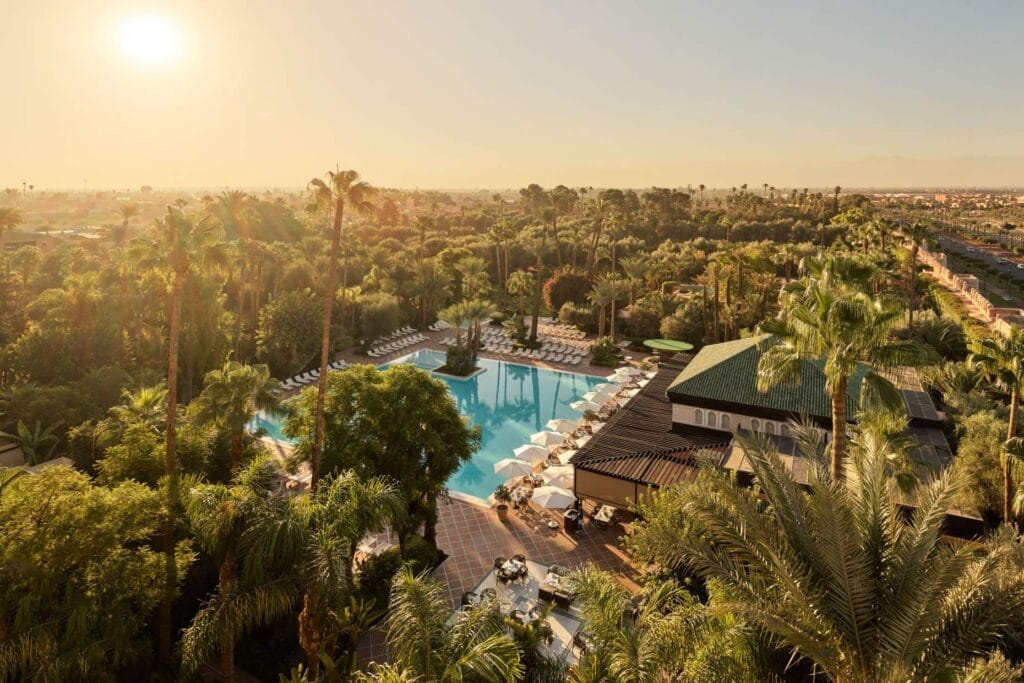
x=149, y=40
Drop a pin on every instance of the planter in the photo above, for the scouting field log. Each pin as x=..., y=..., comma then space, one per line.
x=502, y=510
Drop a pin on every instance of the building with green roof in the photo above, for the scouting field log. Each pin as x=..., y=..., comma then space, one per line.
x=718, y=390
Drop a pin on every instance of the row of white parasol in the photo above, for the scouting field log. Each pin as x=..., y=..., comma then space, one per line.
x=558, y=479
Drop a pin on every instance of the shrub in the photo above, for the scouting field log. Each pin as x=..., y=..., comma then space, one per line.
x=458, y=361
x=565, y=286
x=375, y=574
x=583, y=317
x=606, y=352
x=420, y=555
x=380, y=314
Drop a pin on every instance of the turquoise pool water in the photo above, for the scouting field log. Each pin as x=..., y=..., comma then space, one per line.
x=509, y=401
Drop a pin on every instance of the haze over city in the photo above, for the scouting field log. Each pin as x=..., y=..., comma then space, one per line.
x=486, y=95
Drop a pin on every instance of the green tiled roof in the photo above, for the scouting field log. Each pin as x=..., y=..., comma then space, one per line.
x=727, y=373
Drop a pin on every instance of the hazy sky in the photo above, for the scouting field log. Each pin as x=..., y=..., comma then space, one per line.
x=477, y=94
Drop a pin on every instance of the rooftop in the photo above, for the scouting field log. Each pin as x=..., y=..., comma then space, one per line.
x=726, y=373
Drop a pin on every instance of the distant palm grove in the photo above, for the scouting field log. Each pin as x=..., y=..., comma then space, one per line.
x=141, y=332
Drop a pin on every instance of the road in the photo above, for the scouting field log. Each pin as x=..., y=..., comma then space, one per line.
x=1002, y=261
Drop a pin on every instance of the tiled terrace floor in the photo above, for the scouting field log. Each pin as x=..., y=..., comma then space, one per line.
x=473, y=536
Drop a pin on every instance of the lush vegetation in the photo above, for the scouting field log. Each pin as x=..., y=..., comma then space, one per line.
x=143, y=352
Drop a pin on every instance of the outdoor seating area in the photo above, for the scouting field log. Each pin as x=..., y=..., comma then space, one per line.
x=529, y=591
x=383, y=347
x=551, y=328
x=498, y=341
x=303, y=379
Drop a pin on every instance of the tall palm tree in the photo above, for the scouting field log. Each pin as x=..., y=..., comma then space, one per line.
x=315, y=535
x=1001, y=360
x=219, y=515
x=188, y=245
x=915, y=234
x=519, y=284
x=839, y=574
x=842, y=330
x=636, y=269
x=603, y=295
x=341, y=189
x=538, y=282
x=424, y=639
x=232, y=396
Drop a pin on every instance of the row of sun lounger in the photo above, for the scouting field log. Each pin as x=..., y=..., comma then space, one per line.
x=310, y=377
x=394, y=335
x=397, y=345
x=438, y=326
x=507, y=348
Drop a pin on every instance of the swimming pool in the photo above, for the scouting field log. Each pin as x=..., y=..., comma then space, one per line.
x=508, y=400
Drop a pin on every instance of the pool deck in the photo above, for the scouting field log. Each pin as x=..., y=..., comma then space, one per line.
x=433, y=342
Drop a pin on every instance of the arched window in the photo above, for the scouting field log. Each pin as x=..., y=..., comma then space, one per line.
x=784, y=429
x=725, y=422
x=755, y=425
x=769, y=427
x=712, y=419
x=698, y=416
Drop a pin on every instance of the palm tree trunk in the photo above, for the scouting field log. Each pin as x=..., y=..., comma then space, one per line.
x=611, y=320
x=310, y=637
x=1007, y=475
x=325, y=345
x=227, y=641
x=600, y=320
x=170, y=468
x=838, y=431
x=236, y=450
x=911, y=294
x=538, y=277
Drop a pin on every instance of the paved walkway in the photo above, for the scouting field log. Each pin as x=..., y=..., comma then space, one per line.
x=473, y=536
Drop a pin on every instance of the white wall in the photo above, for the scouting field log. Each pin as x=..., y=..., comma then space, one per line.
x=712, y=419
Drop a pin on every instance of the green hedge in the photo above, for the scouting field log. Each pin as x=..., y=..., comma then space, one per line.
x=949, y=304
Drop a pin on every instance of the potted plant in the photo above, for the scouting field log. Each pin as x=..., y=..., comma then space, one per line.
x=502, y=497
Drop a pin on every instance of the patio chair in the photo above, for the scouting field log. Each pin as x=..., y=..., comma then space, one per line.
x=469, y=598
x=519, y=558
x=499, y=561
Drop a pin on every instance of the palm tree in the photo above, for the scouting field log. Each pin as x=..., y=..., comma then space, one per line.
x=455, y=317
x=843, y=331
x=424, y=639
x=431, y=286
x=835, y=198
x=219, y=515
x=36, y=444
x=915, y=234
x=147, y=406
x=474, y=275
x=838, y=574
x=637, y=269
x=342, y=188
x=602, y=295
x=1002, y=361
x=538, y=281
x=668, y=636
x=476, y=312
x=232, y=396
x=188, y=245
x=519, y=284
x=315, y=535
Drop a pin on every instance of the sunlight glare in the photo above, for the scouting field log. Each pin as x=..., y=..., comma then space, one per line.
x=149, y=40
